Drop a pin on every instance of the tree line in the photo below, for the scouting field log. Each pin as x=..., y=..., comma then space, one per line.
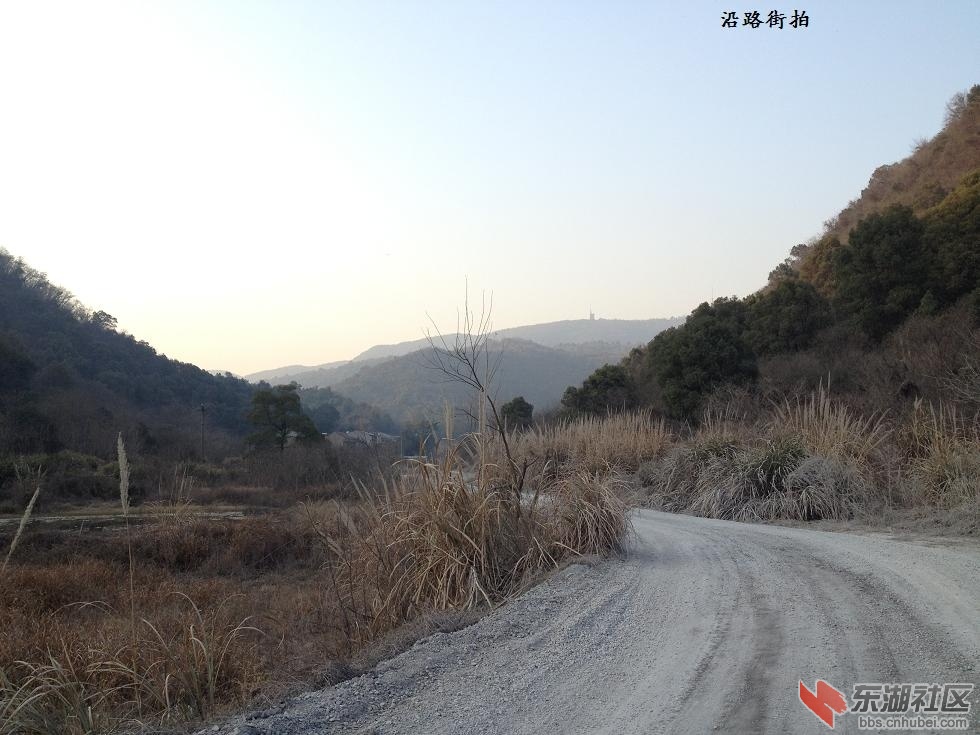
x=894, y=265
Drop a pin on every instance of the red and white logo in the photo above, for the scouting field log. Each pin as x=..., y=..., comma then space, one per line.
x=824, y=702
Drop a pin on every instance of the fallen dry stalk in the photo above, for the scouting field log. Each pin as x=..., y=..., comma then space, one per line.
x=37, y=474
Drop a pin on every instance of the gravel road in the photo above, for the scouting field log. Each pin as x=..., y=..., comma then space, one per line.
x=703, y=626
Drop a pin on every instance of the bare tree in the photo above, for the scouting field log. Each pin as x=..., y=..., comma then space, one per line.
x=956, y=107
x=467, y=358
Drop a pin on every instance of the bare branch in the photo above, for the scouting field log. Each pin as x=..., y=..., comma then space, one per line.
x=468, y=360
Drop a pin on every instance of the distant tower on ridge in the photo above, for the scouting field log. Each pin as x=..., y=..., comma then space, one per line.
x=591, y=315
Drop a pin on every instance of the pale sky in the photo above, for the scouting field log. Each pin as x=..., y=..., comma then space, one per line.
x=253, y=184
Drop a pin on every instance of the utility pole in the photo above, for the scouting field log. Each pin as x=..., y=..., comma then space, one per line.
x=202, y=432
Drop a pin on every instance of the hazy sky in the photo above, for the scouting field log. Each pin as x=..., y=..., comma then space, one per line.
x=252, y=184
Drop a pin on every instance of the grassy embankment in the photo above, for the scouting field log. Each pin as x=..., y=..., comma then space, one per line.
x=176, y=619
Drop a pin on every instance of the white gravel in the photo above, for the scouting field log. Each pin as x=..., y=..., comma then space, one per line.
x=705, y=625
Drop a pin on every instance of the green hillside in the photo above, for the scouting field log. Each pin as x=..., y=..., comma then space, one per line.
x=70, y=380
x=884, y=306
x=920, y=182
x=409, y=389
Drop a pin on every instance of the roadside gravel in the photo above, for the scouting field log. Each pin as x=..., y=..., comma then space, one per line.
x=703, y=625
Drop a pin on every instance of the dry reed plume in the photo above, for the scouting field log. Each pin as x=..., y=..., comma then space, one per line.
x=25, y=519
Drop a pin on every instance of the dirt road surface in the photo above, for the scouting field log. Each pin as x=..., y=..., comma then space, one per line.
x=702, y=626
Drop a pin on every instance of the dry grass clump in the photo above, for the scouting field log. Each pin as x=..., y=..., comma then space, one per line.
x=816, y=458
x=829, y=428
x=194, y=668
x=620, y=441
x=590, y=516
x=449, y=535
x=823, y=487
x=811, y=459
x=719, y=434
x=944, y=446
x=69, y=646
x=180, y=668
x=60, y=695
x=229, y=548
x=174, y=503
x=169, y=669
x=78, y=675
x=765, y=480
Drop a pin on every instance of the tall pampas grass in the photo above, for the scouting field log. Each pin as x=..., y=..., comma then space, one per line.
x=594, y=444
x=124, y=501
x=455, y=533
x=945, y=449
x=830, y=428
x=24, y=519
x=123, y=475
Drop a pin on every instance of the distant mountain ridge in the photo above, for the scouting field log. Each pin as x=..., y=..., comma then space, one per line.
x=574, y=336
x=286, y=370
x=628, y=332
x=411, y=390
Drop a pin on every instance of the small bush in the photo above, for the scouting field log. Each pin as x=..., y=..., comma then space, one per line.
x=821, y=487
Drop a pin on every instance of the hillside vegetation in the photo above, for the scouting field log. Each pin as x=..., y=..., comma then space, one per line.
x=921, y=183
x=603, y=337
x=408, y=389
x=886, y=315
x=923, y=179
x=70, y=379
x=851, y=382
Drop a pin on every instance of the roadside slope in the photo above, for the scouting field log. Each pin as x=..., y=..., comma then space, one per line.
x=705, y=624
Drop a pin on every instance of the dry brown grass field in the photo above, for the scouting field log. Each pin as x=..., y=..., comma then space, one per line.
x=171, y=618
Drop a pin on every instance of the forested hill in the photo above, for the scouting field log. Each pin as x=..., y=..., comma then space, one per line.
x=408, y=389
x=885, y=305
x=69, y=379
x=584, y=338
x=920, y=182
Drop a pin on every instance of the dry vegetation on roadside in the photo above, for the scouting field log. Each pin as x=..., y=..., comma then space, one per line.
x=175, y=618
x=815, y=458
x=225, y=613
x=619, y=441
x=811, y=457
x=179, y=619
